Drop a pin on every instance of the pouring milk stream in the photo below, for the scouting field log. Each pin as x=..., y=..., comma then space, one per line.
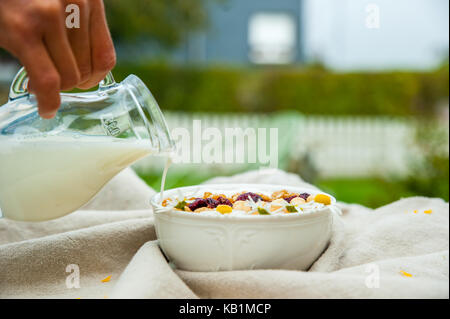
x=49, y=168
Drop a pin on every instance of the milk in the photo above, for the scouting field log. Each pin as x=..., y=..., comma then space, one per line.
x=164, y=176
x=45, y=178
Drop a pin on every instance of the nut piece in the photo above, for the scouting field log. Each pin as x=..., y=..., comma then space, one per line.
x=322, y=198
x=297, y=201
x=277, y=204
x=241, y=205
x=279, y=194
x=201, y=209
x=224, y=209
x=310, y=198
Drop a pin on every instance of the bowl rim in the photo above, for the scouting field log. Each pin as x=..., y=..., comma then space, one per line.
x=158, y=209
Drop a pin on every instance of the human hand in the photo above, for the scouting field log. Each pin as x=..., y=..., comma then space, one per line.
x=55, y=57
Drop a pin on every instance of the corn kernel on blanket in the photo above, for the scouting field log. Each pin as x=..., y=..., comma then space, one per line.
x=112, y=242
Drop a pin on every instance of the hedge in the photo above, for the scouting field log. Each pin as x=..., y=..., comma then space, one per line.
x=310, y=91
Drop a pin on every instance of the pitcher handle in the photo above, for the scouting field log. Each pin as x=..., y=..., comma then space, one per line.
x=19, y=86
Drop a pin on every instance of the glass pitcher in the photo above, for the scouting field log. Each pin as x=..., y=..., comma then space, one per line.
x=51, y=167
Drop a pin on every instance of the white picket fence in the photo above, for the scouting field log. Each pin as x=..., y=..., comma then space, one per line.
x=336, y=146
x=358, y=146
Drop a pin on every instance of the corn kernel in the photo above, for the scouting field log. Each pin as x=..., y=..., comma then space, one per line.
x=224, y=209
x=404, y=273
x=322, y=198
x=106, y=279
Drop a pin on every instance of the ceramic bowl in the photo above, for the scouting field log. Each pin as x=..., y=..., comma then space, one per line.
x=198, y=242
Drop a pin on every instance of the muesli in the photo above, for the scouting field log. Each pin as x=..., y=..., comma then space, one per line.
x=250, y=203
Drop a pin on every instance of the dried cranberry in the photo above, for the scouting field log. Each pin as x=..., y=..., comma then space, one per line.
x=304, y=195
x=212, y=203
x=224, y=201
x=288, y=199
x=253, y=196
x=197, y=203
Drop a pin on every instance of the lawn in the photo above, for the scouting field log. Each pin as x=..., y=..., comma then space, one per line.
x=370, y=192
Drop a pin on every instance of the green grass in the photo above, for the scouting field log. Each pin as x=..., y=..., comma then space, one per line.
x=370, y=192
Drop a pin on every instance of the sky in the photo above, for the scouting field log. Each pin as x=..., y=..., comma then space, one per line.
x=408, y=34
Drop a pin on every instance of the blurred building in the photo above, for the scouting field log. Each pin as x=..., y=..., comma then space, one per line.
x=250, y=31
x=344, y=34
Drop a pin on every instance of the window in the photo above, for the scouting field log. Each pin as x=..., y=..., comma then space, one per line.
x=272, y=38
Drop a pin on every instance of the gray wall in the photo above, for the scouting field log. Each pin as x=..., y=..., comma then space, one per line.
x=226, y=39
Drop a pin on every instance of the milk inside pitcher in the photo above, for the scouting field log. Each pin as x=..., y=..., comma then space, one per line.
x=51, y=167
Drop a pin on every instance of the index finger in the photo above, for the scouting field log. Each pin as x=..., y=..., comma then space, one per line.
x=43, y=76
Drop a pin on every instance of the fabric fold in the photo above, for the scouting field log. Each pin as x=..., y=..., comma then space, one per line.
x=148, y=275
x=38, y=268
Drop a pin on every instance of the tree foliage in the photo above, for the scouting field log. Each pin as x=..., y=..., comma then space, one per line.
x=161, y=21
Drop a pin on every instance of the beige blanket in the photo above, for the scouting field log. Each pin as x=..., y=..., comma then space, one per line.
x=109, y=250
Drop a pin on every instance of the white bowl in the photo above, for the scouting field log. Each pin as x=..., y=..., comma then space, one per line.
x=200, y=242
